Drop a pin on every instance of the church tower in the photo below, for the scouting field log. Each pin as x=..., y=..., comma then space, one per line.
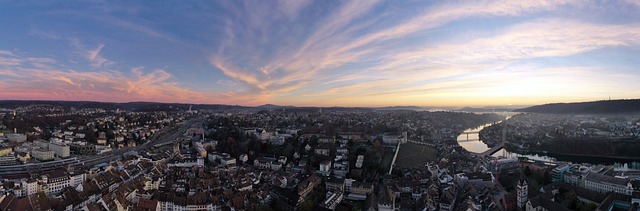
x=523, y=192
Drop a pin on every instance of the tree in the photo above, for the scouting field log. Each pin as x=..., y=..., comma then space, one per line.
x=288, y=150
x=547, y=178
x=210, y=148
x=307, y=205
x=377, y=145
x=586, y=207
x=527, y=171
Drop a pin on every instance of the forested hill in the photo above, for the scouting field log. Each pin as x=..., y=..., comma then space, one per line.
x=132, y=106
x=596, y=107
x=155, y=106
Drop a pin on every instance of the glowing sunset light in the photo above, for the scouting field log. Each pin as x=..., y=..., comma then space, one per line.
x=321, y=53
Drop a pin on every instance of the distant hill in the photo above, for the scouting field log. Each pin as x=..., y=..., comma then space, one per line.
x=132, y=106
x=392, y=108
x=272, y=106
x=485, y=109
x=155, y=106
x=596, y=107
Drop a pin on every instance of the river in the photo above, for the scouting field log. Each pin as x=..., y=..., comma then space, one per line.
x=470, y=141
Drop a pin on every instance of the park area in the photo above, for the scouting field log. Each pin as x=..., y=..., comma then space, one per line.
x=415, y=155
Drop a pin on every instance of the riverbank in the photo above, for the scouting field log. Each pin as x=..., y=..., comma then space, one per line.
x=587, y=156
x=541, y=154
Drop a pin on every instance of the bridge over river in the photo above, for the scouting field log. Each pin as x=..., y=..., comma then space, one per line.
x=498, y=146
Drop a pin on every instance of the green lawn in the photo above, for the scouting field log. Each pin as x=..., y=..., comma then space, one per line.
x=414, y=155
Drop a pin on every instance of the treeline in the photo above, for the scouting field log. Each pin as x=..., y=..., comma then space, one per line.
x=599, y=147
x=131, y=106
x=596, y=107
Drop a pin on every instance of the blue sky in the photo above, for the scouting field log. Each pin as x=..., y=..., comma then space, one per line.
x=321, y=53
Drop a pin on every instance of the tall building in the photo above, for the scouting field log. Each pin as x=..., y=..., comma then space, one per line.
x=523, y=192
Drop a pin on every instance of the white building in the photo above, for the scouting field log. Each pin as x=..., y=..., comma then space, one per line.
x=15, y=137
x=8, y=160
x=227, y=161
x=54, y=181
x=276, y=166
x=170, y=205
x=394, y=138
x=332, y=199
x=31, y=186
x=323, y=150
x=188, y=163
x=282, y=159
x=341, y=168
x=24, y=187
x=264, y=162
x=477, y=179
x=77, y=179
x=102, y=149
x=264, y=135
x=359, y=161
x=42, y=154
x=603, y=184
x=61, y=150
x=277, y=140
x=325, y=166
x=244, y=158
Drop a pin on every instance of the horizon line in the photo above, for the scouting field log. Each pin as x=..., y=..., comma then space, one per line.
x=313, y=106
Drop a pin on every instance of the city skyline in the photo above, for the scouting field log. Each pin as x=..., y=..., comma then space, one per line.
x=321, y=53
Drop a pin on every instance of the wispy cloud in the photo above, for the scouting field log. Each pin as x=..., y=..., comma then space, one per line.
x=136, y=27
x=292, y=8
x=633, y=2
x=337, y=45
x=44, y=34
x=6, y=53
x=293, y=66
x=96, y=59
x=360, y=52
x=540, y=38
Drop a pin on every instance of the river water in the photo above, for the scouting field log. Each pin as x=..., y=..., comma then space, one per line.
x=471, y=141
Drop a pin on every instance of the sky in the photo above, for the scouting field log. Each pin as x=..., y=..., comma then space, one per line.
x=321, y=53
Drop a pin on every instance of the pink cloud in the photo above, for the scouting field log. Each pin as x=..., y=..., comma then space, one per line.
x=50, y=83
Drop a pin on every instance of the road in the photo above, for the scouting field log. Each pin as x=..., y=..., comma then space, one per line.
x=167, y=134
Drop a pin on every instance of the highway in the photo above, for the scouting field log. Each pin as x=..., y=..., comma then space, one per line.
x=167, y=134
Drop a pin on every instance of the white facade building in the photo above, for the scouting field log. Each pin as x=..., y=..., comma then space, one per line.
x=15, y=137
x=359, y=161
x=325, y=166
x=603, y=184
x=60, y=150
x=53, y=182
x=42, y=154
